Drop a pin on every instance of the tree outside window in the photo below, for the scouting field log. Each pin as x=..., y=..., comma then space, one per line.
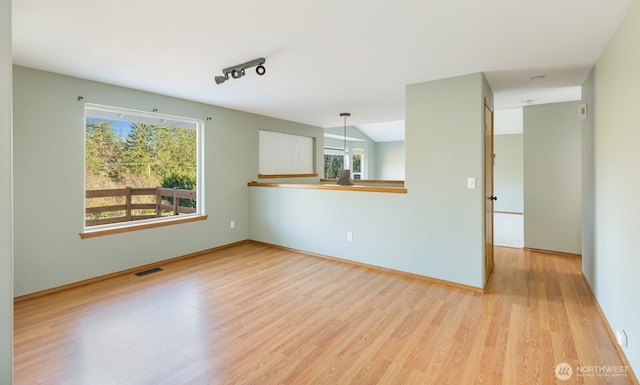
x=140, y=152
x=333, y=163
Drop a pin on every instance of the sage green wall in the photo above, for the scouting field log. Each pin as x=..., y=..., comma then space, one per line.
x=6, y=187
x=508, y=173
x=444, y=146
x=436, y=229
x=390, y=162
x=552, y=177
x=369, y=146
x=49, y=180
x=616, y=263
x=588, y=182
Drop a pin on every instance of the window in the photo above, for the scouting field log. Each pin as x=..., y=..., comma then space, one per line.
x=285, y=155
x=333, y=162
x=358, y=164
x=140, y=166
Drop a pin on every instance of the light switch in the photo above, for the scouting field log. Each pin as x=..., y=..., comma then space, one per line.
x=471, y=183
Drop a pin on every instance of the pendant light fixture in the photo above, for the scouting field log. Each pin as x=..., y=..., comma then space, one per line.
x=345, y=174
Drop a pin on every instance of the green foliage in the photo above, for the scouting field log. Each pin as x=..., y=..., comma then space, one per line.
x=175, y=151
x=103, y=150
x=332, y=165
x=147, y=156
x=140, y=152
x=182, y=181
x=357, y=162
x=155, y=152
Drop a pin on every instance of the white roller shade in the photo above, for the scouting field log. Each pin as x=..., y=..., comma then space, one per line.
x=285, y=154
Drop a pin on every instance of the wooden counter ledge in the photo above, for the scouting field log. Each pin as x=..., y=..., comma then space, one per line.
x=395, y=190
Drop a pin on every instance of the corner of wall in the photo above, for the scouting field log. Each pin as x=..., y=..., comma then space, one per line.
x=588, y=186
x=552, y=200
x=613, y=266
x=445, y=147
x=6, y=193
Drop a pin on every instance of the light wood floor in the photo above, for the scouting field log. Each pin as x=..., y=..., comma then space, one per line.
x=253, y=314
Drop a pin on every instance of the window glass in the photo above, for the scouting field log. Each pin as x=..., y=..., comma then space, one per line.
x=139, y=166
x=358, y=165
x=333, y=162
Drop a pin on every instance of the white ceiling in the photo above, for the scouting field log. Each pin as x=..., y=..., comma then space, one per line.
x=384, y=131
x=322, y=57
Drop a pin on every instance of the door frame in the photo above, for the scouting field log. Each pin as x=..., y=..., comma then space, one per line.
x=489, y=162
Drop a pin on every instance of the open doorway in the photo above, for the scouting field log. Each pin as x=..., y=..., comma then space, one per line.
x=508, y=178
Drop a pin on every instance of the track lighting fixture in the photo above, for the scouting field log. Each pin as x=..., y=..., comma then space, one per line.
x=238, y=71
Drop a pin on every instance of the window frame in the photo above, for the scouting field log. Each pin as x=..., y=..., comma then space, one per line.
x=363, y=171
x=150, y=118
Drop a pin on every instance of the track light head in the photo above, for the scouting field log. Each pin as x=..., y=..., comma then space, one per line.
x=238, y=71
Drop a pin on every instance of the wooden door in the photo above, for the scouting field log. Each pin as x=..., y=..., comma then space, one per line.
x=488, y=190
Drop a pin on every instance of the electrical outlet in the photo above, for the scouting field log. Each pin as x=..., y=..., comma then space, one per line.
x=350, y=236
x=621, y=336
x=232, y=224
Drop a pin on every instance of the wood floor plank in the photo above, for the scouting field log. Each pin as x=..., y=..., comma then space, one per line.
x=254, y=314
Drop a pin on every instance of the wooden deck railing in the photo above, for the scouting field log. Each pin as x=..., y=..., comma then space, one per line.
x=166, y=202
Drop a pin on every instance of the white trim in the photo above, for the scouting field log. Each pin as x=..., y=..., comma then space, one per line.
x=340, y=137
x=121, y=114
